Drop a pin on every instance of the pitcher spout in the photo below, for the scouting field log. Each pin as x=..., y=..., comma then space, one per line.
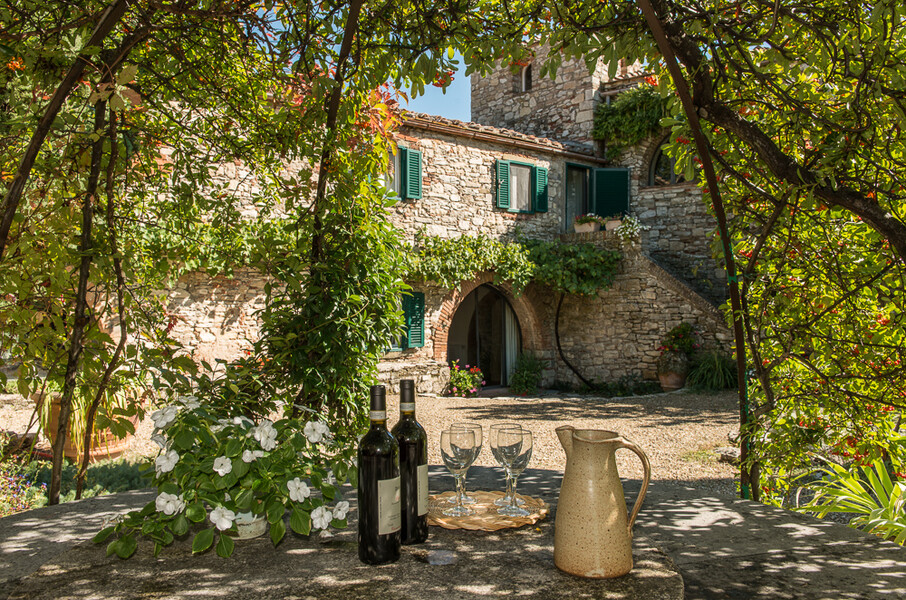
x=565, y=434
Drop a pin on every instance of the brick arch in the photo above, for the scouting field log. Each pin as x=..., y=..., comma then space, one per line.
x=650, y=148
x=526, y=315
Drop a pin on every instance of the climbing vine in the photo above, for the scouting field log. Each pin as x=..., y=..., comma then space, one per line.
x=630, y=118
x=567, y=268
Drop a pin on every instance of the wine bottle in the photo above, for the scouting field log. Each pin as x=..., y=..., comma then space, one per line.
x=413, y=468
x=379, y=487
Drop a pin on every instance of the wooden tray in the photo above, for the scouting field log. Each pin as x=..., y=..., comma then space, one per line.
x=485, y=517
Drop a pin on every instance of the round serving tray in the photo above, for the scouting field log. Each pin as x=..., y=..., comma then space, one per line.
x=486, y=517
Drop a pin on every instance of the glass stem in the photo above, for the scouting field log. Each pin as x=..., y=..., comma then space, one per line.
x=460, y=489
x=511, y=488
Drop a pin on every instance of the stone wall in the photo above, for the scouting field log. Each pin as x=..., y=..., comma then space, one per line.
x=680, y=229
x=458, y=189
x=560, y=108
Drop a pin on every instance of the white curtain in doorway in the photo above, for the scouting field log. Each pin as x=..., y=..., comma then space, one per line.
x=511, y=343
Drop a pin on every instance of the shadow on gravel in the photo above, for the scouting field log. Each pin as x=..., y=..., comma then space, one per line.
x=670, y=409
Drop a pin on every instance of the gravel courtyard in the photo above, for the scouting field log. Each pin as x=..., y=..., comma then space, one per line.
x=678, y=431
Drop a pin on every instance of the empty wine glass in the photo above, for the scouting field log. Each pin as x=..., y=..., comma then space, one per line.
x=457, y=448
x=515, y=447
x=492, y=442
x=479, y=436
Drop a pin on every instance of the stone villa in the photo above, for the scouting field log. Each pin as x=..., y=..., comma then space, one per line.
x=526, y=162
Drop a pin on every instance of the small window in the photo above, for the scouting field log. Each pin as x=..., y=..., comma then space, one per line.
x=521, y=187
x=525, y=78
x=404, y=176
x=663, y=168
x=603, y=192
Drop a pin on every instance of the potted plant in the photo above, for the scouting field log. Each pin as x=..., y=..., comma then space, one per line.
x=676, y=350
x=234, y=476
x=466, y=381
x=613, y=221
x=588, y=223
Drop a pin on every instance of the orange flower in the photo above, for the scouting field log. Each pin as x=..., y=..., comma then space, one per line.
x=16, y=64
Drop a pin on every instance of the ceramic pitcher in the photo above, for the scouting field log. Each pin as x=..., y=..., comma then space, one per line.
x=592, y=535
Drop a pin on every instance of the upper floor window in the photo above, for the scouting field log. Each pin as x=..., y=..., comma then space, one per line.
x=603, y=192
x=521, y=187
x=663, y=168
x=525, y=78
x=404, y=174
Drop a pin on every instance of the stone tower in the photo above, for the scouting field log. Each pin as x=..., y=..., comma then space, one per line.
x=561, y=109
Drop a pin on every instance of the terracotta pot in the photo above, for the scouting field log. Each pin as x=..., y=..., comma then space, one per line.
x=104, y=443
x=586, y=227
x=672, y=381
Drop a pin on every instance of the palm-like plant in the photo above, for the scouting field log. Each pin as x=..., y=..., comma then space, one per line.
x=867, y=491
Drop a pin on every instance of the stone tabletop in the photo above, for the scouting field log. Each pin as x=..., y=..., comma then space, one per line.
x=452, y=564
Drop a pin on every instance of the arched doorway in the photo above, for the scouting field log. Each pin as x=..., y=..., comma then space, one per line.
x=485, y=331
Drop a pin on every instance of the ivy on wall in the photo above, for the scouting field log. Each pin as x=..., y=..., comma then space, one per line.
x=566, y=268
x=630, y=118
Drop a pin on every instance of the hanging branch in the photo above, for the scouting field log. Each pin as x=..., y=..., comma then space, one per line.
x=748, y=472
x=109, y=19
x=80, y=318
x=120, y=305
x=559, y=348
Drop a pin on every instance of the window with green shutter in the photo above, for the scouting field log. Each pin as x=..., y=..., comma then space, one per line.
x=410, y=174
x=611, y=191
x=413, y=336
x=521, y=187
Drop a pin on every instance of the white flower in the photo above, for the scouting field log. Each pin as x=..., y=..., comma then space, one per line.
x=163, y=417
x=251, y=456
x=320, y=518
x=190, y=402
x=161, y=441
x=266, y=435
x=243, y=422
x=222, y=465
x=222, y=518
x=221, y=425
x=298, y=490
x=340, y=510
x=169, y=504
x=166, y=461
x=331, y=478
x=316, y=431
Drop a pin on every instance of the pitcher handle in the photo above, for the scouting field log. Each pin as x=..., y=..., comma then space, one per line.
x=624, y=443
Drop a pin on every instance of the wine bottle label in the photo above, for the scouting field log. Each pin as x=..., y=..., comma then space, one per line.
x=422, y=490
x=407, y=406
x=389, y=516
x=378, y=415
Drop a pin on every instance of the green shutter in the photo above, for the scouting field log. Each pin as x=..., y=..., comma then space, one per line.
x=411, y=174
x=540, y=175
x=611, y=192
x=503, y=184
x=414, y=309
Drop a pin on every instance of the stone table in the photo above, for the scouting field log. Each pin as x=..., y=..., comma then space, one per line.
x=453, y=564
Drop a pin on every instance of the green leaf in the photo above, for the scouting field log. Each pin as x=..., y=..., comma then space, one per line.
x=196, y=512
x=275, y=511
x=225, y=546
x=203, y=540
x=278, y=530
x=126, y=546
x=244, y=500
x=180, y=525
x=300, y=521
x=103, y=534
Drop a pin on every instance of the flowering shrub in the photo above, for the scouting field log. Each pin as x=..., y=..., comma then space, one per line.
x=590, y=218
x=465, y=381
x=234, y=465
x=629, y=229
x=681, y=338
x=18, y=493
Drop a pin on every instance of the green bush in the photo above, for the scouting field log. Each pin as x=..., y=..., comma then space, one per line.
x=711, y=371
x=878, y=500
x=104, y=477
x=627, y=386
x=18, y=492
x=527, y=376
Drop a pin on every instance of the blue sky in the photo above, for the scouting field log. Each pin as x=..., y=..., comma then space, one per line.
x=455, y=104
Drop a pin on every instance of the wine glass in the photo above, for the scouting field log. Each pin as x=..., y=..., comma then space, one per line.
x=492, y=442
x=479, y=436
x=515, y=447
x=457, y=448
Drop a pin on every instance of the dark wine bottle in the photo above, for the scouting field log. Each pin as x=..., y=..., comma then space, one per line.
x=413, y=468
x=379, y=487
